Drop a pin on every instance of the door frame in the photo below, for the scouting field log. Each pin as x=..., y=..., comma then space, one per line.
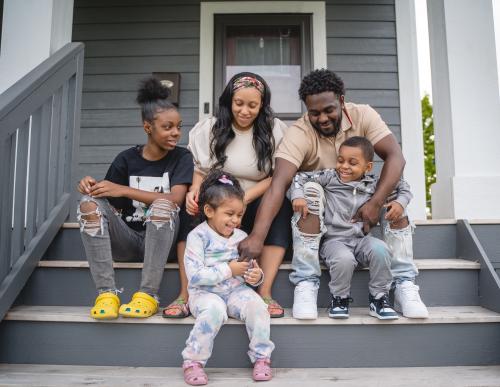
x=207, y=15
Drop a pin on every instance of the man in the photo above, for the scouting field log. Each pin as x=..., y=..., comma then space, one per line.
x=312, y=144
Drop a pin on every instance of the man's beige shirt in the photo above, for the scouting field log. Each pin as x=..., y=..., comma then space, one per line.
x=304, y=147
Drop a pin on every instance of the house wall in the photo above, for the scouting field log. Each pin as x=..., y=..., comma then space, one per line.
x=127, y=40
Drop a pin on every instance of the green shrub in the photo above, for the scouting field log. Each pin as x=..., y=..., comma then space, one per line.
x=429, y=155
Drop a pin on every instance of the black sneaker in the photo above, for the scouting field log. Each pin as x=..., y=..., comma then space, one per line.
x=381, y=308
x=339, y=307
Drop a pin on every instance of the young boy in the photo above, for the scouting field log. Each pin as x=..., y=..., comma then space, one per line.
x=344, y=245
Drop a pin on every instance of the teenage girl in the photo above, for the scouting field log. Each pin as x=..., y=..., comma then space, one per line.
x=132, y=214
x=217, y=280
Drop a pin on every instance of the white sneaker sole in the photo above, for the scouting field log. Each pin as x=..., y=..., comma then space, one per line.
x=305, y=316
x=398, y=308
x=374, y=314
x=338, y=316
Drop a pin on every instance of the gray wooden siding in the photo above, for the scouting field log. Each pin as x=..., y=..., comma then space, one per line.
x=127, y=40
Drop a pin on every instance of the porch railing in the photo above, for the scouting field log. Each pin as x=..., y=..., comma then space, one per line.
x=39, y=137
x=469, y=247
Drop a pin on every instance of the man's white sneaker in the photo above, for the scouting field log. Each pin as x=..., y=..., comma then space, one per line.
x=305, y=299
x=407, y=301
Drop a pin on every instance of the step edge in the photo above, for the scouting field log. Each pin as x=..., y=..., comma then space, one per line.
x=422, y=264
x=359, y=316
x=418, y=222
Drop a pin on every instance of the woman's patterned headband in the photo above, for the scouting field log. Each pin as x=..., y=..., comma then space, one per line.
x=243, y=82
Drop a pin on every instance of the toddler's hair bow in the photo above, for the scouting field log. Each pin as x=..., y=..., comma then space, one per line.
x=225, y=180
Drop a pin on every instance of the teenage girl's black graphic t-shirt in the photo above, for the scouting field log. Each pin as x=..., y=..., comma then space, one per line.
x=130, y=168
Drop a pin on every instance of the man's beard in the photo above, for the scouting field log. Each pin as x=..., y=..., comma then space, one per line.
x=330, y=133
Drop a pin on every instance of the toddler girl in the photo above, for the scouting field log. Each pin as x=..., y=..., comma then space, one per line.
x=217, y=280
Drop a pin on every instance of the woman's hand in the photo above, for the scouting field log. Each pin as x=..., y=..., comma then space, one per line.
x=105, y=188
x=238, y=268
x=85, y=185
x=192, y=202
x=300, y=205
x=394, y=211
x=254, y=274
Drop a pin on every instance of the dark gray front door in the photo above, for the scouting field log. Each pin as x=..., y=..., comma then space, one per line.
x=275, y=46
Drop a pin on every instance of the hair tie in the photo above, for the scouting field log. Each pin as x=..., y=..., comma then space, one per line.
x=244, y=82
x=225, y=180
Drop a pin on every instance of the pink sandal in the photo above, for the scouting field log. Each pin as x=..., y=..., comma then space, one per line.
x=194, y=374
x=262, y=370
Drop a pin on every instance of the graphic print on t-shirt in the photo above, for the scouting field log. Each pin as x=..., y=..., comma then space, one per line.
x=150, y=184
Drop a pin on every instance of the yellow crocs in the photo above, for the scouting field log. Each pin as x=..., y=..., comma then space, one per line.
x=142, y=305
x=106, y=306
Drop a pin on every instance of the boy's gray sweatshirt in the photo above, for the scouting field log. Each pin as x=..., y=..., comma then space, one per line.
x=344, y=199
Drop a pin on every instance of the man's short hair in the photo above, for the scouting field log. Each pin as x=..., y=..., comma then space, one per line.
x=362, y=143
x=319, y=81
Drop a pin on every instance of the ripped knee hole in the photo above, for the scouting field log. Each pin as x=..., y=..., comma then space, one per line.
x=90, y=218
x=162, y=211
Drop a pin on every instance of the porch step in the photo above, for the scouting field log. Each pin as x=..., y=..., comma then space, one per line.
x=60, y=375
x=445, y=281
x=359, y=316
x=422, y=264
x=466, y=335
x=432, y=239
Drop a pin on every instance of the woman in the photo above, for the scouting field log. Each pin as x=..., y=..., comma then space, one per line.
x=242, y=139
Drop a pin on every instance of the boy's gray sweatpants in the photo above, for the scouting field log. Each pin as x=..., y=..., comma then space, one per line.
x=342, y=258
x=305, y=260
x=110, y=239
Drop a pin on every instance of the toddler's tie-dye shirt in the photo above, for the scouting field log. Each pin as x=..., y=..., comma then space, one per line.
x=207, y=259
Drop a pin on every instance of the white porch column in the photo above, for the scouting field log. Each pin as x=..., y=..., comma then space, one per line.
x=31, y=31
x=466, y=109
x=412, y=142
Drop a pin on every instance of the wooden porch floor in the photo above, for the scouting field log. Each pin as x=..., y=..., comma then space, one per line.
x=55, y=375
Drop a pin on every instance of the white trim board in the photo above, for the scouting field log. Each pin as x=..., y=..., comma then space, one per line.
x=209, y=9
x=409, y=101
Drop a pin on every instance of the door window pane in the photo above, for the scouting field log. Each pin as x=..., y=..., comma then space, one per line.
x=273, y=52
x=284, y=82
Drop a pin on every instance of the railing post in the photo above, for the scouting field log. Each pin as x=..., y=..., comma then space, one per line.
x=39, y=136
x=75, y=97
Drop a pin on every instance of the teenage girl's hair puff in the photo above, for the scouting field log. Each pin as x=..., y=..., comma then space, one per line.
x=152, y=98
x=217, y=187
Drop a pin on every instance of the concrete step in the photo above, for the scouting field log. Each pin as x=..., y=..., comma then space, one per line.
x=465, y=335
x=432, y=239
x=30, y=374
x=445, y=281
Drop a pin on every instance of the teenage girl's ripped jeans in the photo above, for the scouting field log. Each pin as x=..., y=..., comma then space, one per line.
x=305, y=260
x=107, y=237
